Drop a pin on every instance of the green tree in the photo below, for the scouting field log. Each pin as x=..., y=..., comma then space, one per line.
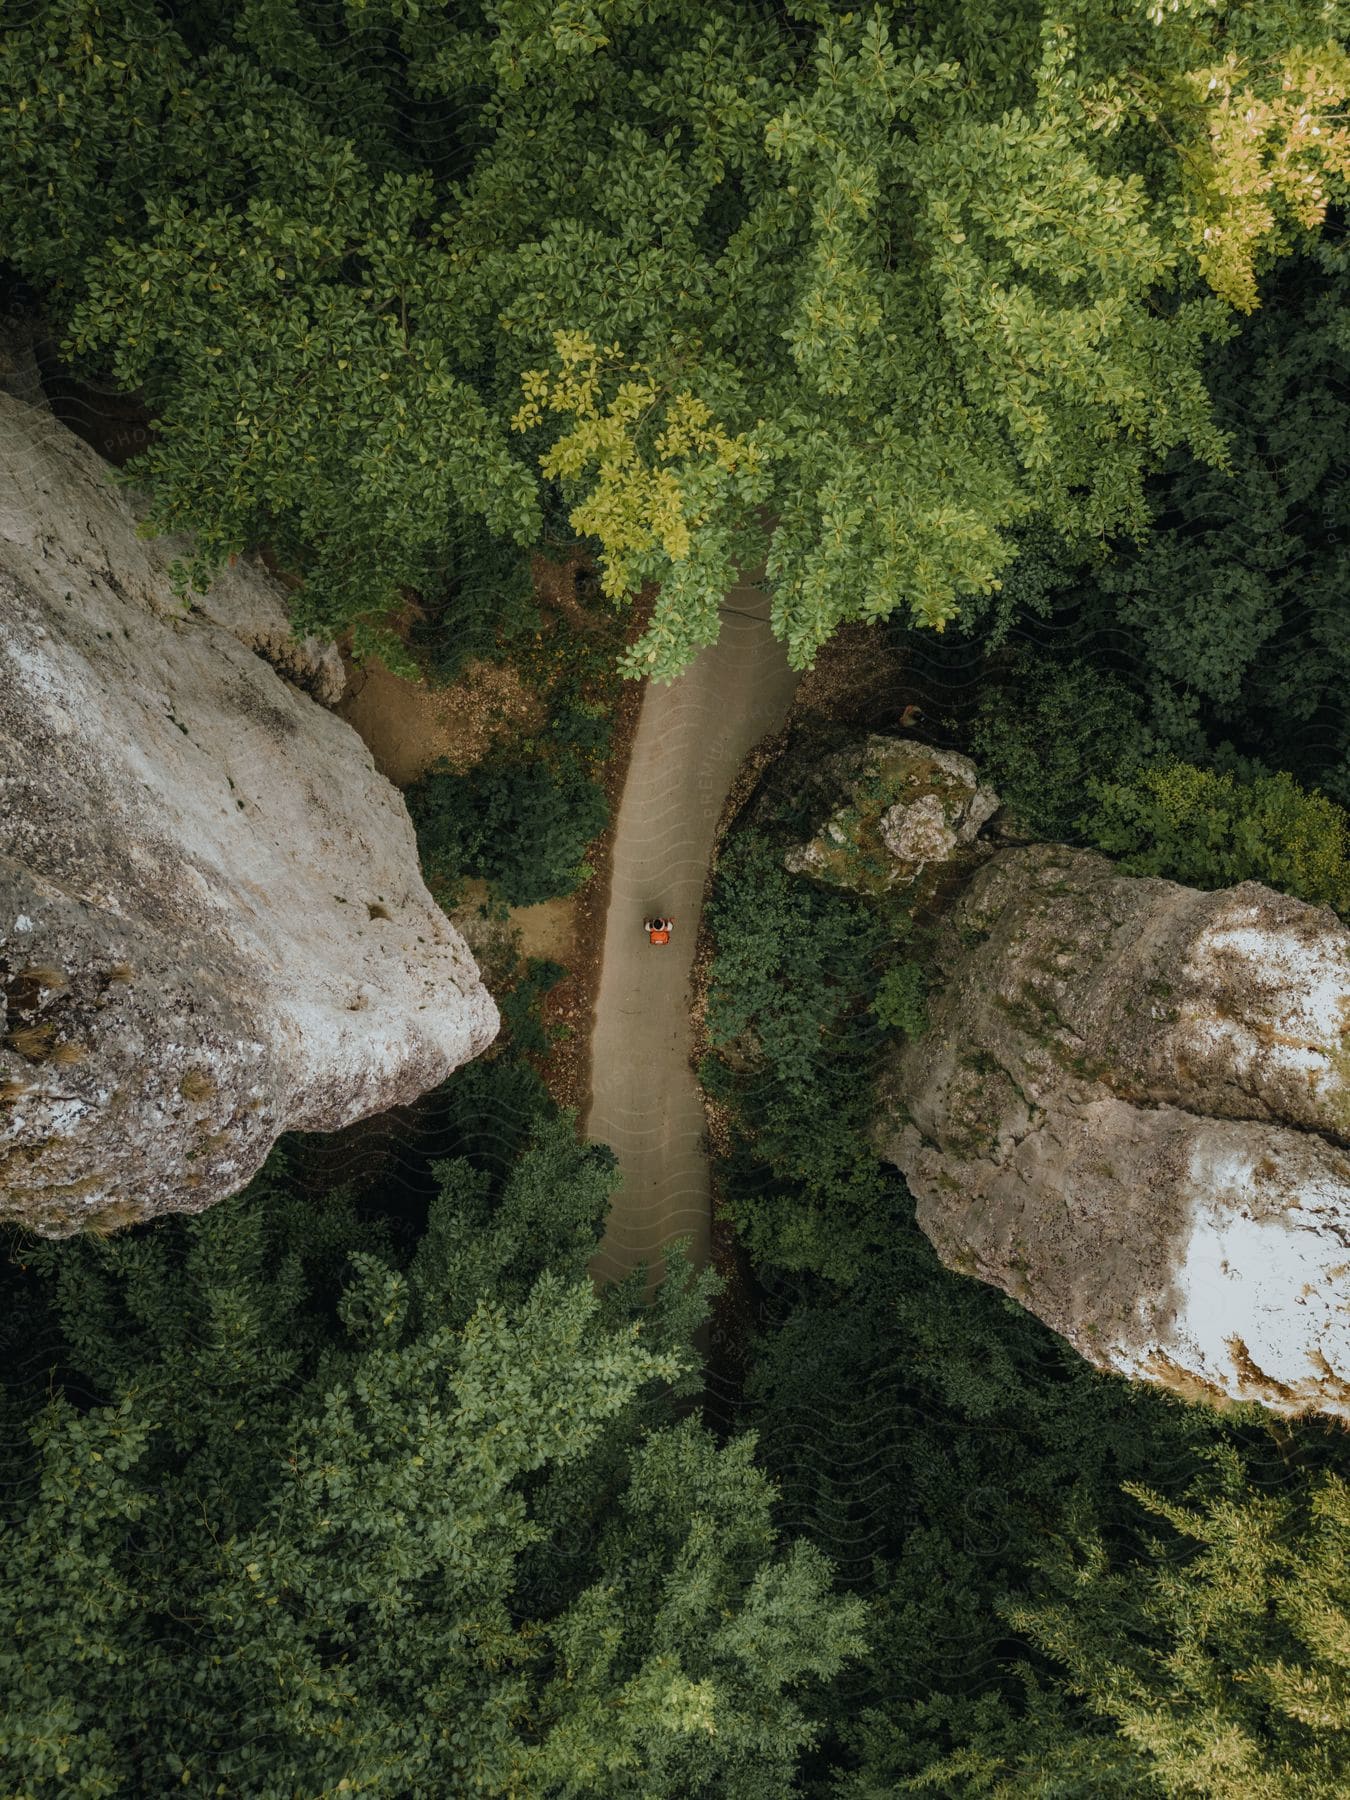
x=903, y=280
x=1224, y=1665
x=1259, y=651
x=1077, y=1585
x=662, y=1686
x=1211, y=831
x=1046, y=727
x=1219, y=636
x=794, y=969
x=304, y=1514
x=523, y=822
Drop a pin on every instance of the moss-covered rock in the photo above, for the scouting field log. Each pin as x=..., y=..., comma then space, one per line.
x=892, y=812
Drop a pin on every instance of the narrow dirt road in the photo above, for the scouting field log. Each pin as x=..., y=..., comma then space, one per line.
x=691, y=739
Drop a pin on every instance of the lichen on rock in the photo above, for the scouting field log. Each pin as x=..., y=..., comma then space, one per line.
x=213, y=925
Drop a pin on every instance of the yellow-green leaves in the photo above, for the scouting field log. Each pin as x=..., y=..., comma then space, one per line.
x=897, y=280
x=656, y=462
x=1270, y=148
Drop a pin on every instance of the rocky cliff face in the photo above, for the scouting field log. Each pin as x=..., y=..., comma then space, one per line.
x=213, y=927
x=1131, y=1108
x=1131, y=1111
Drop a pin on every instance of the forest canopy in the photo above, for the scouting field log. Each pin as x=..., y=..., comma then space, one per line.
x=311, y=1508
x=864, y=294
x=1018, y=328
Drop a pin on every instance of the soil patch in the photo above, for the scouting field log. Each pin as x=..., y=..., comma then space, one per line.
x=859, y=675
x=559, y=585
x=546, y=930
x=409, y=725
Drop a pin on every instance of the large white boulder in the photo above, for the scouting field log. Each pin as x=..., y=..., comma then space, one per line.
x=213, y=926
x=1131, y=1111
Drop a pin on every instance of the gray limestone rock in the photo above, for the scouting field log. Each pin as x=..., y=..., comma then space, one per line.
x=1131, y=1111
x=244, y=599
x=213, y=925
x=892, y=811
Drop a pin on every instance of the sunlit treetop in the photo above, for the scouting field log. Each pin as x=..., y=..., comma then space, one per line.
x=855, y=293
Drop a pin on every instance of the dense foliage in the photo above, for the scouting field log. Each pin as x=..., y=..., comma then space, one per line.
x=902, y=279
x=788, y=1011
x=517, y=820
x=1051, y=1614
x=1227, y=1672
x=478, y=602
x=1220, y=640
x=520, y=1008
x=1211, y=831
x=1077, y=1586
x=305, y=1508
x=1229, y=618
x=1048, y=726
x=1066, y=748
x=367, y=1490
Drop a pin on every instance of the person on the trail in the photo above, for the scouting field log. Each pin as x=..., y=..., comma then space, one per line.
x=659, y=930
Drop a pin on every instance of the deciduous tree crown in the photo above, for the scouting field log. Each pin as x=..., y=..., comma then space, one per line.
x=900, y=279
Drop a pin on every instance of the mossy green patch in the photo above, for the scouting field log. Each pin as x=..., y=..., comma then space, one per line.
x=849, y=850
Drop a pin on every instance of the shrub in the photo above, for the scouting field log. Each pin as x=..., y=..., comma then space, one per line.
x=522, y=825
x=479, y=598
x=1211, y=830
x=1041, y=736
x=584, y=726
x=900, y=1003
x=793, y=967
x=520, y=1007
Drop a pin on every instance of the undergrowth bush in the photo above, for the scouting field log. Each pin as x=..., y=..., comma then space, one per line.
x=795, y=966
x=478, y=601
x=523, y=825
x=520, y=1007
x=1211, y=830
x=901, y=1000
x=1044, y=730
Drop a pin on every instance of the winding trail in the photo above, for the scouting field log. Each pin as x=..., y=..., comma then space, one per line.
x=691, y=738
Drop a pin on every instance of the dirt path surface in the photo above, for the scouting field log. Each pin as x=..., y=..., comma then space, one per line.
x=408, y=725
x=691, y=739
